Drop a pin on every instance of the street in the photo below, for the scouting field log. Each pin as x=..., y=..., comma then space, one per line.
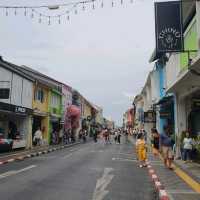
x=86, y=172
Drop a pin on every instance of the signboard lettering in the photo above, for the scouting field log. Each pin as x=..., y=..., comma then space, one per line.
x=169, y=28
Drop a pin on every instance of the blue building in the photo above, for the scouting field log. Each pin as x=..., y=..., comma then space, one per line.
x=164, y=103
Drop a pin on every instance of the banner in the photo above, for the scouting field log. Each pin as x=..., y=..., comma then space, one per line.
x=169, y=27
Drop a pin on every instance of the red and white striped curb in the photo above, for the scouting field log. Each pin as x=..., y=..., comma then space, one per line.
x=20, y=158
x=158, y=185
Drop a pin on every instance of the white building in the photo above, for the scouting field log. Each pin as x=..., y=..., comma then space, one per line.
x=16, y=94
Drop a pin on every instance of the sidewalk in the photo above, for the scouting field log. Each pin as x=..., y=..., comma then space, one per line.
x=179, y=184
x=36, y=151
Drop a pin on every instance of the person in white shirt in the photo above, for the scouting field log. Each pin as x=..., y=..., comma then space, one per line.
x=187, y=147
x=38, y=137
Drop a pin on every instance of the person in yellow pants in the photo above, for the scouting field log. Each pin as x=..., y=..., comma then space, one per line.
x=141, y=150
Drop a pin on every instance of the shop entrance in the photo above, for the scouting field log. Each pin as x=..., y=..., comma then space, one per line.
x=194, y=125
x=37, y=122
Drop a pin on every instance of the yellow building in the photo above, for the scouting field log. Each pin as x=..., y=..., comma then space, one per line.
x=87, y=110
x=41, y=110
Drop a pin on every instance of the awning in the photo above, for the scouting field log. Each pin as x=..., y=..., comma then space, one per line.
x=165, y=100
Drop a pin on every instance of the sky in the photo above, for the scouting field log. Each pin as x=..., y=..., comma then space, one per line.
x=103, y=53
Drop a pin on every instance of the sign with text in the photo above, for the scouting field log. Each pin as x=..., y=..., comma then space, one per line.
x=149, y=117
x=169, y=27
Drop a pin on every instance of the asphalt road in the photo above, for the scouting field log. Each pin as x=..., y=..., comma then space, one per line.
x=85, y=172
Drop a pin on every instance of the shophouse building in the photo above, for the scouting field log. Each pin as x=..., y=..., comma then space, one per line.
x=47, y=103
x=16, y=94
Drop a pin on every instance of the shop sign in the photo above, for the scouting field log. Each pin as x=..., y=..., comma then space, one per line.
x=15, y=109
x=165, y=114
x=19, y=109
x=169, y=27
x=149, y=117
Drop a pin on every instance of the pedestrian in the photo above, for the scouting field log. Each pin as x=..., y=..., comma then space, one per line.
x=187, y=148
x=119, y=137
x=166, y=144
x=144, y=134
x=155, y=141
x=60, y=133
x=126, y=136
x=94, y=134
x=37, y=139
x=141, y=150
x=115, y=136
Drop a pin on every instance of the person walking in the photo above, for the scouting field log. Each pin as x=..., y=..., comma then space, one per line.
x=166, y=144
x=141, y=150
x=126, y=135
x=155, y=141
x=115, y=136
x=119, y=136
x=187, y=148
x=37, y=139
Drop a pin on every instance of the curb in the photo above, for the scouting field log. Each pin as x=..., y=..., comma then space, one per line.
x=158, y=185
x=35, y=154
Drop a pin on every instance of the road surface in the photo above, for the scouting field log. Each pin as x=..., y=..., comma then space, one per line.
x=85, y=172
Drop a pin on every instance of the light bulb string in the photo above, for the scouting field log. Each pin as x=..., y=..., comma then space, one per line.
x=47, y=6
x=34, y=9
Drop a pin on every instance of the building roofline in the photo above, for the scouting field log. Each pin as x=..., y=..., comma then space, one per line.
x=9, y=66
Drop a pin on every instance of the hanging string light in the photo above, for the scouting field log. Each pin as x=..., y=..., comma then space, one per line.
x=6, y=11
x=93, y=5
x=32, y=13
x=49, y=20
x=102, y=4
x=25, y=12
x=15, y=11
x=70, y=7
x=83, y=7
x=40, y=19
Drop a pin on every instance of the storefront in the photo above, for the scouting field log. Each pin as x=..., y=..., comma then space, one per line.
x=15, y=125
x=41, y=120
x=194, y=116
x=55, y=126
x=166, y=114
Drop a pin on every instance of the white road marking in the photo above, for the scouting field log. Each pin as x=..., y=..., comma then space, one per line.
x=68, y=155
x=124, y=159
x=14, y=172
x=97, y=151
x=128, y=154
x=100, y=190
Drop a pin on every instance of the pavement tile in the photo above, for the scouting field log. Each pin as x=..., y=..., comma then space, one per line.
x=176, y=188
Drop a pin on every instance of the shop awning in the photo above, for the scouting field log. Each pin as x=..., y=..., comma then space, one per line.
x=164, y=100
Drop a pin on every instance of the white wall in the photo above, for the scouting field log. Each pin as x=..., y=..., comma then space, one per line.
x=172, y=70
x=21, y=89
x=27, y=94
